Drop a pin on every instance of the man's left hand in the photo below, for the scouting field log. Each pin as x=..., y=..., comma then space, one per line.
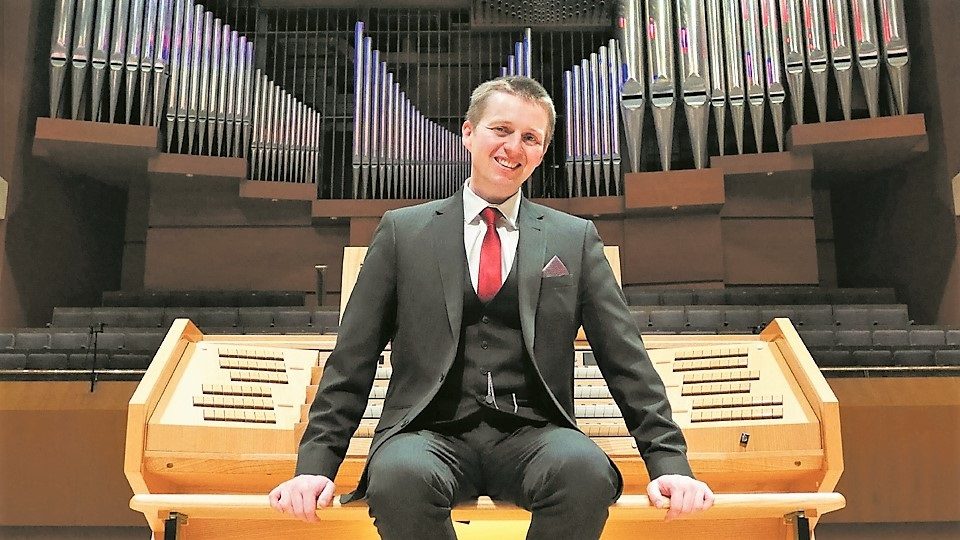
x=685, y=495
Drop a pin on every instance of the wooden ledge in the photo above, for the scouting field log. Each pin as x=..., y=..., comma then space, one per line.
x=692, y=190
x=627, y=508
x=198, y=168
x=115, y=154
x=867, y=144
x=278, y=191
x=348, y=208
x=588, y=207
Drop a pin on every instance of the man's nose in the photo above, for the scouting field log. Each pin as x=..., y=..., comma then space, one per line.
x=514, y=143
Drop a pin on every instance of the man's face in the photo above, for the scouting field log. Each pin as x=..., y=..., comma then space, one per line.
x=505, y=145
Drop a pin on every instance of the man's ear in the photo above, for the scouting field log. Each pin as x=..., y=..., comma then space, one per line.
x=466, y=130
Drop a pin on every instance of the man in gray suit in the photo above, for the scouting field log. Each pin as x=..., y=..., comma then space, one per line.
x=481, y=296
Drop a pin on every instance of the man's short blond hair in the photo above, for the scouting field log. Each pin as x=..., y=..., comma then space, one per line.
x=522, y=87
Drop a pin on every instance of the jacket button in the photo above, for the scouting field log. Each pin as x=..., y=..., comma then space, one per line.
x=442, y=377
x=485, y=319
x=483, y=344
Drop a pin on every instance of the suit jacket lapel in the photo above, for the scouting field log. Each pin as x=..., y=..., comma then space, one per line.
x=530, y=253
x=447, y=231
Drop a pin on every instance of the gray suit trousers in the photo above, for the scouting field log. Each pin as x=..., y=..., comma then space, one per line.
x=562, y=477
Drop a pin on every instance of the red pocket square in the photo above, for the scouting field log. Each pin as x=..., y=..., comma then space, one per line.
x=554, y=268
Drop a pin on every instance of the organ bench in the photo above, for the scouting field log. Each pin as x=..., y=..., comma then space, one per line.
x=216, y=421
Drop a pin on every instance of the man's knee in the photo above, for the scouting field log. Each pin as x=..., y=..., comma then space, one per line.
x=579, y=472
x=403, y=473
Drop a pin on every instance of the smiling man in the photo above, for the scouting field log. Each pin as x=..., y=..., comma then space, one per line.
x=481, y=296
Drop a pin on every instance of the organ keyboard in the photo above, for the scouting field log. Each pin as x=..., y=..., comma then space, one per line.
x=224, y=415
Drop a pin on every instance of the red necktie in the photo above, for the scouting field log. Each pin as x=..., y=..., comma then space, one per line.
x=489, y=280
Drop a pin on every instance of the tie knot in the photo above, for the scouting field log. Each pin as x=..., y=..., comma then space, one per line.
x=489, y=215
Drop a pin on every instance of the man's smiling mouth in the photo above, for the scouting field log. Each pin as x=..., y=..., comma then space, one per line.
x=508, y=164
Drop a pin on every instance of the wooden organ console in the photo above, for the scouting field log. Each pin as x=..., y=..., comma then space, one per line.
x=216, y=422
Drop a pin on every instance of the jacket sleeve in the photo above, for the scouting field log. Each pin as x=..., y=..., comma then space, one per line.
x=367, y=325
x=634, y=383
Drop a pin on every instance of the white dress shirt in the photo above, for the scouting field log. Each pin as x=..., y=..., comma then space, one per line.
x=474, y=228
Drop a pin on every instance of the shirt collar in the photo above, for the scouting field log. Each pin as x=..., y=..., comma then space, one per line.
x=473, y=204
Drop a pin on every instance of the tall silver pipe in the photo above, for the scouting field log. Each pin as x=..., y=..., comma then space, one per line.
x=257, y=123
x=80, y=59
x=186, y=63
x=630, y=32
x=132, y=63
x=613, y=82
x=100, y=56
x=233, y=65
x=375, y=106
x=895, y=51
x=240, y=81
x=661, y=73
x=776, y=92
x=793, y=54
x=196, y=56
x=203, y=100
x=118, y=53
x=752, y=61
x=580, y=178
x=841, y=51
x=369, y=75
x=60, y=51
x=867, y=46
x=528, y=52
x=162, y=57
x=269, y=137
x=147, y=57
x=694, y=74
x=818, y=56
x=606, y=148
x=381, y=120
x=214, y=87
x=246, y=113
x=176, y=47
x=718, y=85
x=387, y=113
x=359, y=72
x=596, y=130
x=734, y=61
x=223, y=85
x=395, y=148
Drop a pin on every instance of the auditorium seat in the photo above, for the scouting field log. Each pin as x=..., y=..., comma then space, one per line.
x=255, y=317
x=110, y=341
x=128, y=361
x=143, y=317
x=814, y=315
x=665, y=317
x=853, y=338
x=704, y=317
x=818, y=338
x=871, y=357
x=143, y=341
x=676, y=298
x=711, y=297
x=745, y=317
x=953, y=336
x=289, y=318
x=641, y=315
x=831, y=357
x=70, y=340
x=891, y=338
x=769, y=313
x=13, y=360
x=326, y=318
x=912, y=357
x=67, y=316
x=6, y=341
x=947, y=357
x=46, y=360
x=31, y=340
x=930, y=336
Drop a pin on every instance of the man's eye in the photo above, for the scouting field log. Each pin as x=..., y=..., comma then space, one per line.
x=531, y=140
x=499, y=129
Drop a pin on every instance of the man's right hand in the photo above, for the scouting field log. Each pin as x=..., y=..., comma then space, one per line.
x=300, y=496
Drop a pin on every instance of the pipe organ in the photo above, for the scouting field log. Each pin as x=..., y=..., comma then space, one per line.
x=368, y=104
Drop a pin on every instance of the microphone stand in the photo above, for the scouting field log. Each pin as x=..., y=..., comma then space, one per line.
x=94, y=333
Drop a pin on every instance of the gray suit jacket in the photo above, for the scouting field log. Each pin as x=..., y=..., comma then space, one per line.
x=410, y=291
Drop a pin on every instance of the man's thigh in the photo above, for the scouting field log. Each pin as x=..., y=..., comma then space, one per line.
x=536, y=461
x=425, y=460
